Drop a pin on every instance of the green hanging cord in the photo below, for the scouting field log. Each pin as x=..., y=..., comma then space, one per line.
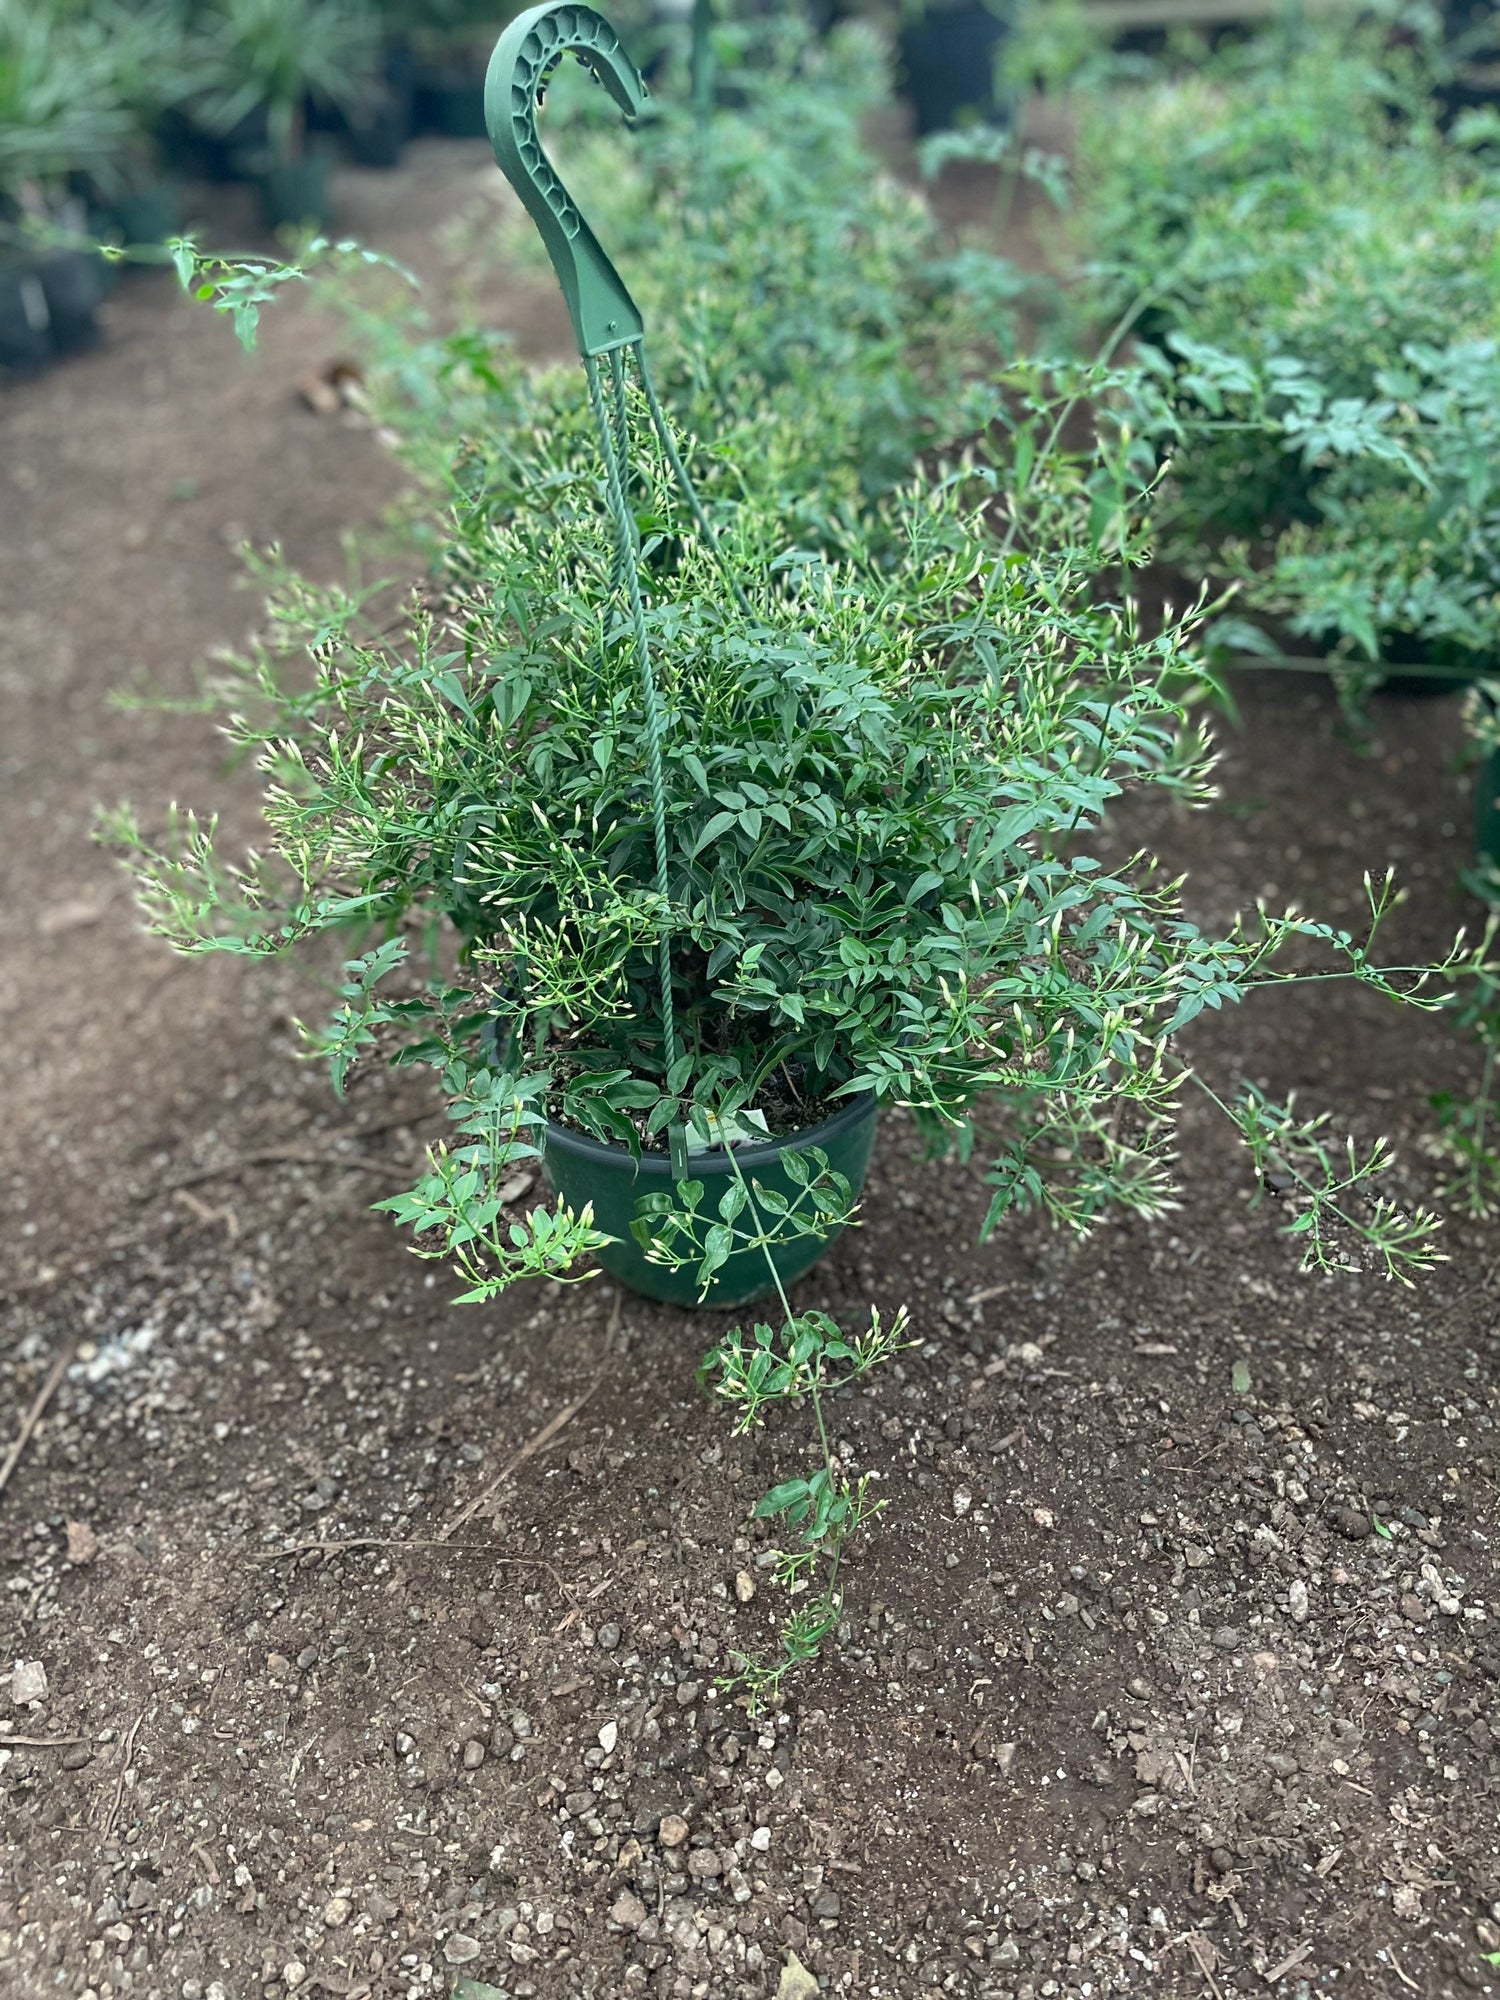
x=680, y=473
x=606, y=320
x=626, y=551
x=625, y=546
x=701, y=93
x=702, y=70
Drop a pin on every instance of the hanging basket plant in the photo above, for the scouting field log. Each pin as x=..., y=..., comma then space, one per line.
x=738, y=843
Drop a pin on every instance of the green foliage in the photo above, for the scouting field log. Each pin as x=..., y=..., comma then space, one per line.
x=1323, y=373
x=61, y=111
x=240, y=286
x=808, y=1357
x=809, y=1353
x=457, y=1210
x=673, y=1231
x=1329, y=1191
x=882, y=779
x=802, y=310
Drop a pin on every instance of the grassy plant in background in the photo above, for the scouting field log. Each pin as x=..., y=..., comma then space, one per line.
x=60, y=109
x=275, y=55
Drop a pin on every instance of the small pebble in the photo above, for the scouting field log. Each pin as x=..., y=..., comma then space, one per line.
x=292, y=1974
x=460, y=1949
x=628, y=1910
x=609, y=1736
x=744, y=1586
x=1296, y=1601
x=1349, y=1521
x=473, y=1754
x=760, y=1840
x=673, y=1830
x=28, y=1682
x=336, y=1911
x=607, y=1638
x=1226, y=1638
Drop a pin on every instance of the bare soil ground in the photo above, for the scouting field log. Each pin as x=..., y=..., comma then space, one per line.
x=1149, y=1683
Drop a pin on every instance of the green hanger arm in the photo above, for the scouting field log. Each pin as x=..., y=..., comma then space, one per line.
x=603, y=312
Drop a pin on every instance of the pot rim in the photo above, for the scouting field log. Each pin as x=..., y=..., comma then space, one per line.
x=717, y=1159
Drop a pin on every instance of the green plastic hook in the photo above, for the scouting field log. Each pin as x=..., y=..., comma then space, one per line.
x=604, y=314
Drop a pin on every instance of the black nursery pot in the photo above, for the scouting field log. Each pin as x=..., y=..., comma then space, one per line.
x=948, y=57
x=1487, y=810
x=73, y=284
x=294, y=193
x=448, y=99
x=378, y=137
x=147, y=214
x=195, y=153
x=25, y=322
x=47, y=306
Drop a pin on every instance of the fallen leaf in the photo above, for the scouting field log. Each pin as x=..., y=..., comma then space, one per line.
x=83, y=1543
x=797, y=1983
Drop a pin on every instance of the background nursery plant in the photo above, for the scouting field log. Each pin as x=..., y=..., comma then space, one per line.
x=1323, y=373
x=804, y=311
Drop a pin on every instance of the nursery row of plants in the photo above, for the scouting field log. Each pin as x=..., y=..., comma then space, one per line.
x=108, y=107
x=746, y=762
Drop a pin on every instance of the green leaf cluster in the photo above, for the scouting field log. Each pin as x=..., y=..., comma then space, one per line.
x=1314, y=272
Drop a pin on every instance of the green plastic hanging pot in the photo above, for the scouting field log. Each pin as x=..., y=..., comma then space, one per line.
x=582, y=1170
